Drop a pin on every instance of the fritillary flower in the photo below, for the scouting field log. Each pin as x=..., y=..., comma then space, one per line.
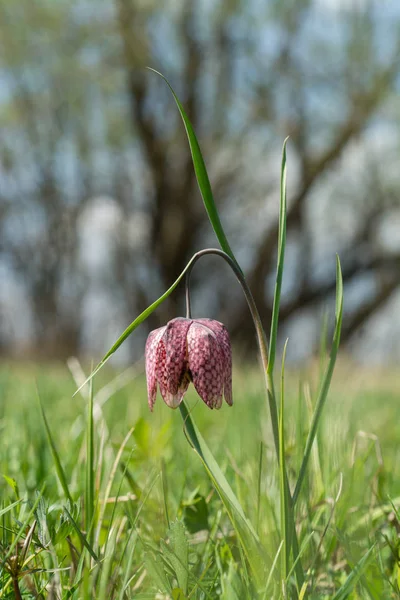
x=186, y=350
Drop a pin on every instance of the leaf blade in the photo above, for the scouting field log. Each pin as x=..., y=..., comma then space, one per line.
x=201, y=174
x=324, y=389
x=246, y=534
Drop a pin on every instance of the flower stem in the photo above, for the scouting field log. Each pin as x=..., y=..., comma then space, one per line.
x=261, y=337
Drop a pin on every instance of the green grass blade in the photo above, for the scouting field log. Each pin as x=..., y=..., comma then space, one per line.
x=81, y=536
x=107, y=565
x=179, y=554
x=57, y=462
x=5, y=510
x=90, y=474
x=164, y=483
x=22, y=530
x=323, y=393
x=298, y=558
x=246, y=534
x=110, y=482
x=284, y=491
x=354, y=576
x=280, y=265
x=259, y=479
x=271, y=571
x=130, y=550
x=201, y=175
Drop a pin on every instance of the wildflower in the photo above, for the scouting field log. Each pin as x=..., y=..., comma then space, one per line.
x=186, y=350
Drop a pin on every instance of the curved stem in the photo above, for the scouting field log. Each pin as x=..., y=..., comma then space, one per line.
x=261, y=337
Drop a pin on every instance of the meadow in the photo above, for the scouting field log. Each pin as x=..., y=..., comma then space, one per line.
x=292, y=493
x=155, y=527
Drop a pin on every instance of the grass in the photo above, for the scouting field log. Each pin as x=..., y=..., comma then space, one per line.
x=163, y=530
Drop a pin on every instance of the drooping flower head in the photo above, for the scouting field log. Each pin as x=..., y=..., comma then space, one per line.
x=186, y=350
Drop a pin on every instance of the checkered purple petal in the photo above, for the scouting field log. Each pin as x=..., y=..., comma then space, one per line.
x=206, y=363
x=150, y=360
x=224, y=343
x=171, y=362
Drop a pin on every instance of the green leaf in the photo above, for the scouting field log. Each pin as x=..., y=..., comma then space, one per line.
x=247, y=536
x=90, y=469
x=13, y=484
x=155, y=569
x=272, y=569
x=81, y=536
x=22, y=529
x=201, y=175
x=106, y=566
x=323, y=392
x=57, y=462
x=354, y=576
x=233, y=588
x=128, y=569
x=280, y=265
x=179, y=555
x=285, y=500
x=178, y=594
x=41, y=518
x=7, y=509
x=195, y=514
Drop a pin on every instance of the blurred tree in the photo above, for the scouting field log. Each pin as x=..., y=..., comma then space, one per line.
x=82, y=118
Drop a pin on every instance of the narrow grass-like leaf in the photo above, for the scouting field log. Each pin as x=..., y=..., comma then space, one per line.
x=354, y=576
x=323, y=342
x=109, y=484
x=300, y=554
x=5, y=510
x=57, y=462
x=284, y=499
x=280, y=265
x=315, y=473
x=179, y=556
x=81, y=536
x=291, y=533
x=90, y=473
x=13, y=485
x=371, y=517
x=201, y=175
x=323, y=393
x=271, y=571
x=130, y=550
x=155, y=569
x=275, y=309
x=21, y=531
x=249, y=540
x=164, y=482
x=110, y=521
x=259, y=478
x=107, y=564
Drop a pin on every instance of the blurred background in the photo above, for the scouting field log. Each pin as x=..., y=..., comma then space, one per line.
x=99, y=206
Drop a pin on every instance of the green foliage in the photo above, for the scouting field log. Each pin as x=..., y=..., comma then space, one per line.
x=347, y=534
x=249, y=540
x=202, y=176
